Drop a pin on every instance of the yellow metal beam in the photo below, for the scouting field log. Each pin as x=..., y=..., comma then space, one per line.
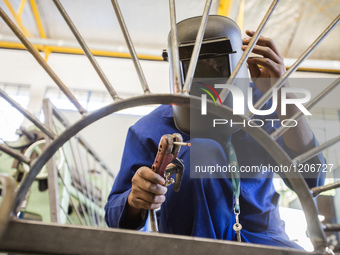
x=17, y=18
x=224, y=7
x=21, y=7
x=37, y=18
x=77, y=51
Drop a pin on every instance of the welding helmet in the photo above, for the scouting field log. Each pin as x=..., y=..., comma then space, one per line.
x=220, y=52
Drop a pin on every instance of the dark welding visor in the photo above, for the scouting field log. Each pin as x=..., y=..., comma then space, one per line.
x=213, y=60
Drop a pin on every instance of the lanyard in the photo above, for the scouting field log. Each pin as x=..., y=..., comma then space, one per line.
x=236, y=182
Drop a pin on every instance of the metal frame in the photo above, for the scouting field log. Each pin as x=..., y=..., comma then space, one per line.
x=297, y=182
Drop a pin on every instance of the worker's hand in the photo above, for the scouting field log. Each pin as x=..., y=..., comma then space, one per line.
x=147, y=190
x=264, y=70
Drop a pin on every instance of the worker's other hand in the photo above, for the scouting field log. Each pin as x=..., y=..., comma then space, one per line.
x=266, y=68
x=147, y=189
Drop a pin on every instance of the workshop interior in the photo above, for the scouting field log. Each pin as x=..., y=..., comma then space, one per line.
x=75, y=75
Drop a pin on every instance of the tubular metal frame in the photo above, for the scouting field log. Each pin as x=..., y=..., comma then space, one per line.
x=279, y=155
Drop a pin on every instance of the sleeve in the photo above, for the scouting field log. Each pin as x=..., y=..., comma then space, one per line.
x=136, y=153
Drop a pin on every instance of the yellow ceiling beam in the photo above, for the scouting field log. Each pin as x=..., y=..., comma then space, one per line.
x=21, y=7
x=78, y=51
x=37, y=19
x=17, y=18
x=224, y=7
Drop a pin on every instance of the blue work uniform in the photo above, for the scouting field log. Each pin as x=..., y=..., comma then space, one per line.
x=204, y=206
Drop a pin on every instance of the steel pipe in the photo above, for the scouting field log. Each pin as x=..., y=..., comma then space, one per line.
x=130, y=46
x=315, y=151
x=197, y=48
x=224, y=93
x=86, y=50
x=176, y=75
x=41, y=61
x=317, y=190
x=28, y=115
x=15, y=154
x=262, y=101
x=282, y=129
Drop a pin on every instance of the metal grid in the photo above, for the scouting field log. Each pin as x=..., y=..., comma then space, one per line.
x=182, y=97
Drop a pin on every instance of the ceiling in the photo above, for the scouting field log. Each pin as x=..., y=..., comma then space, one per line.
x=294, y=25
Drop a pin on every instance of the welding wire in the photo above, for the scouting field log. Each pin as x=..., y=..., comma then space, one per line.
x=183, y=144
x=177, y=80
x=282, y=129
x=315, y=151
x=28, y=115
x=86, y=50
x=41, y=61
x=132, y=50
x=15, y=154
x=86, y=181
x=197, y=48
x=262, y=101
x=224, y=93
x=72, y=182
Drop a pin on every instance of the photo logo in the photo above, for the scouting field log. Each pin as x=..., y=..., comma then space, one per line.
x=239, y=100
x=204, y=97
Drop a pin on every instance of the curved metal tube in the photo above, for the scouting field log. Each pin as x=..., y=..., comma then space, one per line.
x=279, y=155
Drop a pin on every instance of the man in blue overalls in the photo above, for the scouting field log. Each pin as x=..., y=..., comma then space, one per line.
x=204, y=207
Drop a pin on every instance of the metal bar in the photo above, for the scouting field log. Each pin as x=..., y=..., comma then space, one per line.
x=92, y=187
x=262, y=101
x=86, y=216
x=37, y=18
x=89, y=206
x=40, y=238
x=130, y=46
x=197, y=48
x=316, y=150
x=15, y=154
x=41, y=61
x=282, y=129
x=86, y=49
x=67, y=216
x=224, y=93
x=52, y=179
x=28, y=115
x=317, y=190
x=177, y=80
x=8, y=194
x=63, y=182
x=332, y=227
x=71, y=199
